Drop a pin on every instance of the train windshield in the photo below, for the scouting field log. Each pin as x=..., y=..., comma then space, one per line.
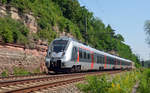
x=59, y=45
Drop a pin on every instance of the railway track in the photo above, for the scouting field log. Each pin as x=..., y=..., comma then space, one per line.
x=21, y=77
x=36, y=84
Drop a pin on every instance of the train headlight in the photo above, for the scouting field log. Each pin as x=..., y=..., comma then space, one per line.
x=47, y=60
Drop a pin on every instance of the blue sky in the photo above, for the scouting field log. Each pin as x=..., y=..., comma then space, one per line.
x=127, y=17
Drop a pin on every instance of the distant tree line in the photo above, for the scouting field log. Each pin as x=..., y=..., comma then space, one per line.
x=147, y=29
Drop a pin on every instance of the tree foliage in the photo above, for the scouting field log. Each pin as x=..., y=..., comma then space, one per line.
x=13, y=31
x=147, y=29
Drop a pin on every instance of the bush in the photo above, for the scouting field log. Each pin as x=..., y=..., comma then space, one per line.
x=144, y=85
x=4, y=1
x=95, y=85
x=7, y=35
x=4, y=73
x=20, y=72
x=118, y=84
x=124, y=83
x=47, y=35
x=12, y=31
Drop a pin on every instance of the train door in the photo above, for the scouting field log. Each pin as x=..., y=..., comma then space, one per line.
x=105, y=61
x=92, y=63
x=115, y=63
x=74, y=54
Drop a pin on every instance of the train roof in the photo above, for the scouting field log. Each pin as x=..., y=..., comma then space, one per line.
x=93, y=49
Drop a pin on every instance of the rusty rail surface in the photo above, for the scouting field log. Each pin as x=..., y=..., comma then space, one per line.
x=24, y=76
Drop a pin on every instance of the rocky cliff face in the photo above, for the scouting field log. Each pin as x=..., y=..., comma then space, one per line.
x=27, y=18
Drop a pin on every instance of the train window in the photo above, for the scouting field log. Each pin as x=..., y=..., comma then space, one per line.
x=103, y=59
x=118, y=62
x=80, y=53
x=100, y=59
x=74, y=53
x=107, y=60
x=112, y=61
x=88, y=56
x=97, y=59
x=84, y=55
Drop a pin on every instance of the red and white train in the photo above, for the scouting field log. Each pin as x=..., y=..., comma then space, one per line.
x=67, y=54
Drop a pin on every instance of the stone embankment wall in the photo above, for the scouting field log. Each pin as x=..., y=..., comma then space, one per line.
x=12, y=56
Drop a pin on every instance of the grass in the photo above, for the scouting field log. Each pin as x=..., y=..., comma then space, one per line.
x=144, y=85
x=20, y=72
x=4, y=73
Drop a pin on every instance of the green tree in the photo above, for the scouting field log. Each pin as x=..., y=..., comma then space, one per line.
x=119, y=37
x=147, y=29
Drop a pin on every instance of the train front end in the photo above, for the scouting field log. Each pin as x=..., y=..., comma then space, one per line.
x=56, y=55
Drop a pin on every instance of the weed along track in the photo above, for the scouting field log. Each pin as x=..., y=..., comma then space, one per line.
x=38, y=84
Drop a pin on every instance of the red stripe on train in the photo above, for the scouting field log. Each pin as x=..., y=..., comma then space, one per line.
x=92, y=64
x=78, y=56
x=105, y=66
